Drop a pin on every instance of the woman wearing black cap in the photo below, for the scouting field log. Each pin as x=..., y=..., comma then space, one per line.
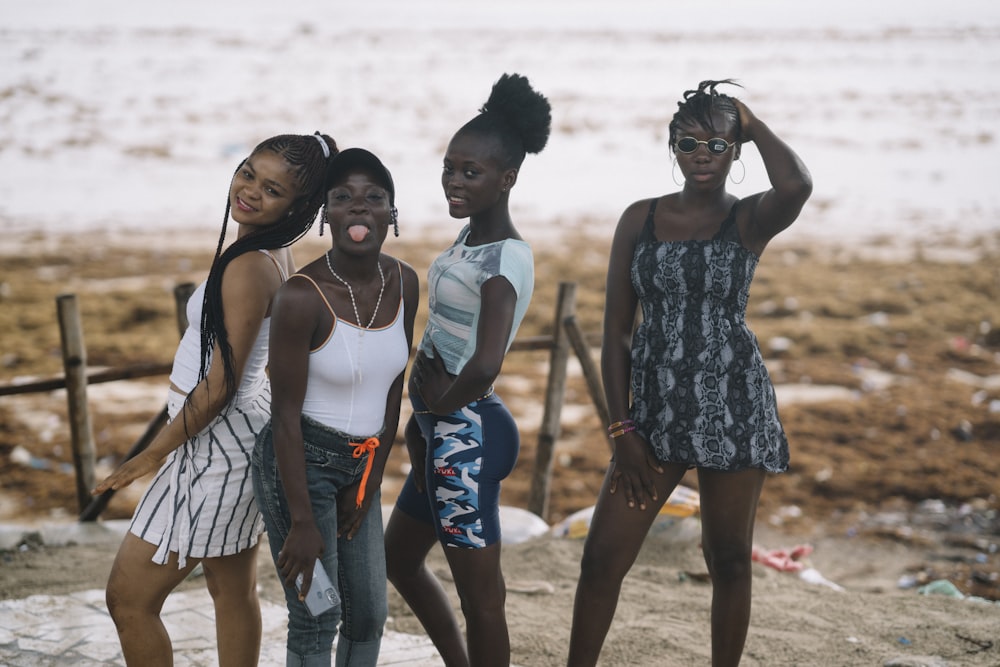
x=341, y=334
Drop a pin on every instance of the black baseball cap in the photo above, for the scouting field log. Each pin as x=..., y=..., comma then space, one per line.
x=351, y=158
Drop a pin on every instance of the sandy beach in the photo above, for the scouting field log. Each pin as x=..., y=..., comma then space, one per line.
x=886, y=363
x=892, y=105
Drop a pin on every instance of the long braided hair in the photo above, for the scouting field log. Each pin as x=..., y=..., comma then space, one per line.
x=700, y=106
x=309, y=162
x=518, y=115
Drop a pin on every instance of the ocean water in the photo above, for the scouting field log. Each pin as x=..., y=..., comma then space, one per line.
x=128, y=115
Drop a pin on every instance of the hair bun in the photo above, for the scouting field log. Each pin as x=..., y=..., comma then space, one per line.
x=527, y=111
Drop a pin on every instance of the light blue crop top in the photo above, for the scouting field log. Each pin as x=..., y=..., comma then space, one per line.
x=454, y=284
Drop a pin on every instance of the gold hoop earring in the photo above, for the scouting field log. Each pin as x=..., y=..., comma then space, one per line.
x=673, y=174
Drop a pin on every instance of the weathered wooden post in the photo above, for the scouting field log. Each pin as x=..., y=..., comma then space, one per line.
x=590, y=372
x=555, y=392
x=182, y=293
x=75, y=367
x=95, y=506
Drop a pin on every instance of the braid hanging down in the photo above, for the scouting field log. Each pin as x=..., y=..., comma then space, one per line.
x=308, y=156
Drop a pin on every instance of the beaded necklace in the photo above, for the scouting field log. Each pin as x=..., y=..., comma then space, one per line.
x=354, y=303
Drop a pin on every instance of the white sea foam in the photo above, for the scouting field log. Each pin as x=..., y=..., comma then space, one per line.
x=119, y=115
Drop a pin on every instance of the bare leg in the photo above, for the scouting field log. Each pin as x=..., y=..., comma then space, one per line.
x=232, y=583
x=407, y=543
x=728, y=508
x=616, y=534
x=483, y=593
x=135, y=594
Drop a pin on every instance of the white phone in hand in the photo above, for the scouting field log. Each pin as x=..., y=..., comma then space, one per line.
x=322, y=595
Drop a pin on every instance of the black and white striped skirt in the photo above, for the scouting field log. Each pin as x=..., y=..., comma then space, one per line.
x=201, y=504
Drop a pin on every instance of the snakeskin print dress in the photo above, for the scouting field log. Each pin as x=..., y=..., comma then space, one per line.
x=701, y=395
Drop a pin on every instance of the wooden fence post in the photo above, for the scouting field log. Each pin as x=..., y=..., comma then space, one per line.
x=541, y=477
x=182, y=293
x=95, y=506
x=590, y=372
x=75, y=367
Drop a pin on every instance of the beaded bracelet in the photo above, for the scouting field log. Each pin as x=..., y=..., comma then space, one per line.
x=628, y=428
x=623, y=423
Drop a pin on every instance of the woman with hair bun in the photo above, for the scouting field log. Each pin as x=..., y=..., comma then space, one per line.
x=200, y=507
x=461, y=437
x=688, y=389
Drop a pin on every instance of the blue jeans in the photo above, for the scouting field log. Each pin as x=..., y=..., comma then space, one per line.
x=356, y=567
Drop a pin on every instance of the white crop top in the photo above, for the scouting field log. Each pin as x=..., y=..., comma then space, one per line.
x=187, y=360
x=351, y=373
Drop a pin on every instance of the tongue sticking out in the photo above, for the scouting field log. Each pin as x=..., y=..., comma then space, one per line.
x=358, y=233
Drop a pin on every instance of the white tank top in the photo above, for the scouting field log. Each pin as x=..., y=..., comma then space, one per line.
x=351, y=372
x=187, y=360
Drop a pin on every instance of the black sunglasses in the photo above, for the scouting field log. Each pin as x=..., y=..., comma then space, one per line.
x=715, y=145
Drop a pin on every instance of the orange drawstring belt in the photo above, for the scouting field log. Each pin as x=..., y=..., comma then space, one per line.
x=360, y=449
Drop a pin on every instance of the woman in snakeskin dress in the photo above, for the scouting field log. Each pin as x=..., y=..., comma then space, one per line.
x=688, y=388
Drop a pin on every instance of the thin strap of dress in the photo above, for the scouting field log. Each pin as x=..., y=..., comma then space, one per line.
x=729, y=231
x=277, y=264
x=399, y=267
x=321, y=295
x=649, y=227
x=328, y=306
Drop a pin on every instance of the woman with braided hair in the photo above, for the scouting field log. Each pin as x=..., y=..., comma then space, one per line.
x=200, y=505
x=688, y=389
x=462, y=439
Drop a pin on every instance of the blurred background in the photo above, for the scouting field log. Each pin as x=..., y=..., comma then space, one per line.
x=124, y=115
